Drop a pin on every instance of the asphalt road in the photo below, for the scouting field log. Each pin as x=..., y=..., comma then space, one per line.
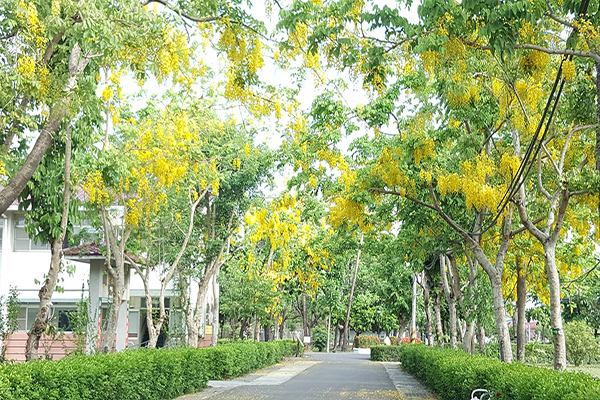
x=319, y=376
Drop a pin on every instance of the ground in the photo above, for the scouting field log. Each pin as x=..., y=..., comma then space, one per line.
x=320, y=376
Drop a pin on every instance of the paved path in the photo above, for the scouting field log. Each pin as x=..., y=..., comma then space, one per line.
x=320, y=376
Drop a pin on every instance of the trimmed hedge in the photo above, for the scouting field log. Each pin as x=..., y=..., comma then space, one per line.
x=145, y=374
x=453, y=374
x=366, y=341
x=385, y=353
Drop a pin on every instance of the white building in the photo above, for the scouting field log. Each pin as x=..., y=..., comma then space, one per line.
x=23, y=265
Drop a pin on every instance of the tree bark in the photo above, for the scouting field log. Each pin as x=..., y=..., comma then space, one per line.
x=108, y=343
x=215, y=335
x=450, y=299
x=521, y=299
x=427, y=305
x=481, y=337
x=114, y=247
x=45, y=293
x=560, y=350
x=347, y=323
x=437, y=308
x=305, y=329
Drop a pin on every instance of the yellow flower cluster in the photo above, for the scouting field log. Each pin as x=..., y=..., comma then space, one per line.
x=55, y=8
x=472, y=183
x=237, y=163
x=443, y=22
x=586, y=28
x=96, y=189
x=462, y=96
x=357, y=6
x=26, y=67
x=431, y=61
x=173, y=55
x=534, y=63
x=422, y=151
x=568, y=70
x=27, y=13
x=344, y=210
x=44, y=89
x=509, y=165
x=526, y=31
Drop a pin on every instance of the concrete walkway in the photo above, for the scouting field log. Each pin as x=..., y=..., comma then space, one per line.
x=320, y=376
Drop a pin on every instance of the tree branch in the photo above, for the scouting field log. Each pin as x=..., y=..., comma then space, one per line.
x=179, y=12
x=417, y=201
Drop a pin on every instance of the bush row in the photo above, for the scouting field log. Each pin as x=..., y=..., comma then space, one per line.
x=453, y=374
x=385, y=353
x=148, y=374
x=365, y=341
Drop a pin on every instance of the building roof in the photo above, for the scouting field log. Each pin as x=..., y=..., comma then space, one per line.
x=89, y=251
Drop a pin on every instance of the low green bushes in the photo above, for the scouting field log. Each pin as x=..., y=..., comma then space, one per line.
x=366, y=341
x=146, y=374
x=454, y=374
x=385, y=353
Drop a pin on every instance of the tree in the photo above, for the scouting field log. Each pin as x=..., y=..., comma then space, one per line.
x=48, y=218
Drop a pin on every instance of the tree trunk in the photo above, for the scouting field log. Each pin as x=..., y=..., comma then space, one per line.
x=215, y=335
x=45, y=294
x=46, y=291
x=347, y=323
x=468, y=338
x=304, y=315
x=243, y=327
x=450, y=299
x=500, y=317
x=437, y=308
x=521, y=299
x=256, y=328
x=153, y=332
x=560, y=352
x=282, y=325
x=111, y=329
x=413, y=318
x=481, y=337
x=427, y=305
x=495, y=275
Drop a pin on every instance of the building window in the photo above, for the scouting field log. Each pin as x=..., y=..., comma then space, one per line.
x=22, y=240
x=59, y=317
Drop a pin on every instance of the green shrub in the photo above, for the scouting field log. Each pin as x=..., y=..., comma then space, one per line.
x=385, y=353
x=366, y=341
x=539, y=353
x=319, y=338
x=453, y=374
x=145, y=374
x=581, y=344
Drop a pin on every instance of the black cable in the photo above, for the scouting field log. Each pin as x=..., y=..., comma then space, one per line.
x=527, y=161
